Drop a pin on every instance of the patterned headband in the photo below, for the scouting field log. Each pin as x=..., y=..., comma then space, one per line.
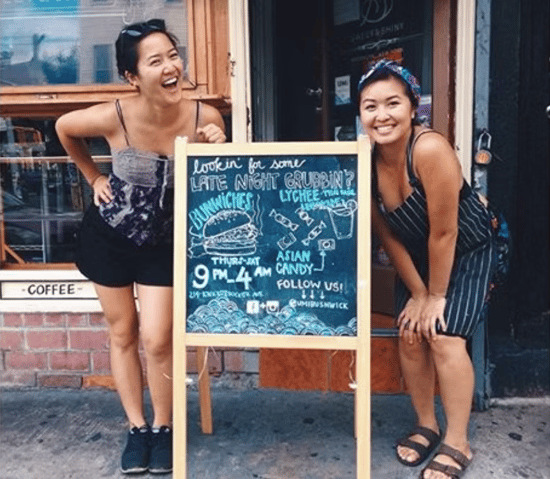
x=409, y=79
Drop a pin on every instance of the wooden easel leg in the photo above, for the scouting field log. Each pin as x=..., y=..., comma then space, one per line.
x=205, y=400
x=355, y=415
x=363, y=412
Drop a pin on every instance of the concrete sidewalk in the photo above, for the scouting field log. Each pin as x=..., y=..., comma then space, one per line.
x=258, y=434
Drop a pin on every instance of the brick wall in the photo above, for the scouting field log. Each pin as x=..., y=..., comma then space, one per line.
x=72, y=350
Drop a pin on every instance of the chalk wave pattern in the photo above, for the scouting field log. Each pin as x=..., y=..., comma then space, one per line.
x=223, y=316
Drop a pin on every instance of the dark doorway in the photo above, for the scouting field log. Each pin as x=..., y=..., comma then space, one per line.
x=519, y=322
x=300, y=69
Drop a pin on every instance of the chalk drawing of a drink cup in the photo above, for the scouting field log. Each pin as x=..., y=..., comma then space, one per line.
x=342, y=217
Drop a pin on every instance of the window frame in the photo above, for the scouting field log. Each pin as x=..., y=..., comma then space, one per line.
x=207, y=73
x=208, y=81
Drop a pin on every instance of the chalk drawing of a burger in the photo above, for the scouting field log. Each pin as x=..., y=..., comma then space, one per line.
x=230, y=233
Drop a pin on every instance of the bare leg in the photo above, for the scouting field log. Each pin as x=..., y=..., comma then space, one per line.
x=156, y=331
x=120, y=312
x=456, y=380
x=418, y=371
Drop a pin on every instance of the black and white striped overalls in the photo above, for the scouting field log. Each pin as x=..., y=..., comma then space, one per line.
x=475, y=258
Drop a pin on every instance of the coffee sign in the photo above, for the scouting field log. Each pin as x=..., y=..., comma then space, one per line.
x=47, y=290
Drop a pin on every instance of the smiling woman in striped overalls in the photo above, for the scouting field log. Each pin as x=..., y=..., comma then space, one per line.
x=437, y=232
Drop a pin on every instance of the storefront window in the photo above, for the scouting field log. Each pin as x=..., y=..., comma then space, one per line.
x=43, y=195
x=68, y=44
x=52, y=42
x=103, y=70
x=57, y=56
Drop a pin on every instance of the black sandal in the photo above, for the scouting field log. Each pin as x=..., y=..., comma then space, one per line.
x=423, y=451
x=451, y=471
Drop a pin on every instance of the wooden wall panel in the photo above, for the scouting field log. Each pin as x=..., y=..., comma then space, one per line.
x=385, y=370
x=444, y=59
x=296, y=369
x=304, y=369
x=218, y=42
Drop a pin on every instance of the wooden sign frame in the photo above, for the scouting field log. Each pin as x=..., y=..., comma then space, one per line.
x=359, y=343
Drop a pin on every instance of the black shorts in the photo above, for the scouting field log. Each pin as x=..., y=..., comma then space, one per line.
x=108, y=258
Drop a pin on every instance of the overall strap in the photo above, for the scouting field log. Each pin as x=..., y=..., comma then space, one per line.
x=121, y=118
x=374, y=180
x=374, y=176
x=413, y=180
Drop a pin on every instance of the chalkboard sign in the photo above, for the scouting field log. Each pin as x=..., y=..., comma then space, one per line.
x=272, y=249
x=272, y=244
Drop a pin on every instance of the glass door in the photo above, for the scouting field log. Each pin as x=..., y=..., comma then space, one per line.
x=317, y=52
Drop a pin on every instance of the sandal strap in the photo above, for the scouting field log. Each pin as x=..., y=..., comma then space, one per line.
x=422, y=450
x=415, y=446
x=430, y=435
x=455, y=454
x=451, y=471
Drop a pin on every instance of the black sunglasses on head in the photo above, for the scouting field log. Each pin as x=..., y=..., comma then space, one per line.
x=139, y=29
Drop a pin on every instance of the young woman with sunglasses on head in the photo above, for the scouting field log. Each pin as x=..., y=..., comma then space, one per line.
x=439, y=237
x=126, y=238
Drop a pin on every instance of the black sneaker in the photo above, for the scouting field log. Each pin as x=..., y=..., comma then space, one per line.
x=136, y=454
x=161, y=451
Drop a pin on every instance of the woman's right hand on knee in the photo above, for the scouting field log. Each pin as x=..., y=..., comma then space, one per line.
x=409, y=320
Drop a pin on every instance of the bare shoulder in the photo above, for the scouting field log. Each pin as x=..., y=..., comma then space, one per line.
x=430, y=142
x=96, y=120
x=432, y=151
x=209, y=114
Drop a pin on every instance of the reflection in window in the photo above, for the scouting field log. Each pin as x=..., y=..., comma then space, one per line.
x=43, y=195
x=102, y=63
x=54, y=41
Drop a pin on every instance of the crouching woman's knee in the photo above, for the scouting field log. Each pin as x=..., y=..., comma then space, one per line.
x=447, y=348
x=412, y=350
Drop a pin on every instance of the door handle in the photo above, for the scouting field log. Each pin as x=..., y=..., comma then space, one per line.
x=312, y=92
